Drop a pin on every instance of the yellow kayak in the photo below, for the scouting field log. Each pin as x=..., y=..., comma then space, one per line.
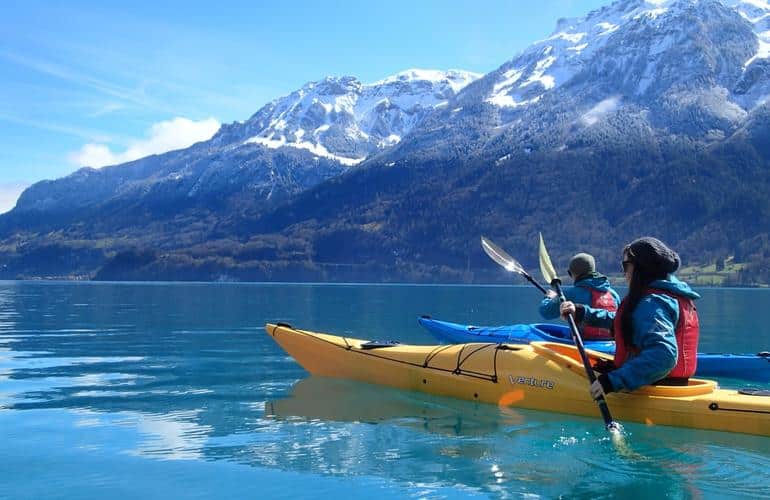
x=539, y=376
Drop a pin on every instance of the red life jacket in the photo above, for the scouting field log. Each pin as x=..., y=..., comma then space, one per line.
x=686, y=333
x=600, y=300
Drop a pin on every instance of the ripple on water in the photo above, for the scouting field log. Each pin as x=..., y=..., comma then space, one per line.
x=702, y=460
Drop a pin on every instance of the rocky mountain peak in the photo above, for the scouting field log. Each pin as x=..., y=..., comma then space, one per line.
x=347, y=121
x=633, y=47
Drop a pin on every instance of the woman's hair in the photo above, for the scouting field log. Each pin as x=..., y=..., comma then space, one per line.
x=652, y=260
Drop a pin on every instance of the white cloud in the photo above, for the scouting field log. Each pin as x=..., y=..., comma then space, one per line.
x=9, y=194
x=597, y=112
x=177, y=133
x=94, y=155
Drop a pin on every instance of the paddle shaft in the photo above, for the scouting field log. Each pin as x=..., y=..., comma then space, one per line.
x=603, y=408
x=531, y=280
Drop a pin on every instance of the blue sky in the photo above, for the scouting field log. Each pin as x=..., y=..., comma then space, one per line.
x=94, y=82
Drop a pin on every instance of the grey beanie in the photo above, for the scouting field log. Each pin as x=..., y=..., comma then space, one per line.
x=653, y=256
x=581, y=264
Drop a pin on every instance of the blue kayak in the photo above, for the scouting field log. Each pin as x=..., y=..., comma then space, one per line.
x=755, y=367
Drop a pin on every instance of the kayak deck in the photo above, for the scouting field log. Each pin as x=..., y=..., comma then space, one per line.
x=540, y=376
x=753, y=367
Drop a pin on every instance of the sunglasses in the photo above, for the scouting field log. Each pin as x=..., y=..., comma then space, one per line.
x=625, y=264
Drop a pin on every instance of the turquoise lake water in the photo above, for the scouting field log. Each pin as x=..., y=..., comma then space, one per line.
x=174, y=391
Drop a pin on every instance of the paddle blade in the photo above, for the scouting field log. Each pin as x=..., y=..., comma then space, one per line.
x=618, y=437
x=546, y=267
x=500, y=256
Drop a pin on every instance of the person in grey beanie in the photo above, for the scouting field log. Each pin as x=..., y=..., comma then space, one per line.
x=590, y=288
x=656, y=327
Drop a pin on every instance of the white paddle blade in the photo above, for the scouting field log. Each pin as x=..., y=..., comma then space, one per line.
x=498, y=255
x=546, y=267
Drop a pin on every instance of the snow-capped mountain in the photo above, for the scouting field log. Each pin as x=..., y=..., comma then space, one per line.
x=695, y=68
x=289, y=145
x=345, y=120
x=641, y=34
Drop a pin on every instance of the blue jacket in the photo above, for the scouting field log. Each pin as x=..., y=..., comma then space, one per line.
x=580, y=293
x=654, y=323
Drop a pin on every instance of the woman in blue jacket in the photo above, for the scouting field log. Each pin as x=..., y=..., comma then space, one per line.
x=656, y=328
x=590, y=288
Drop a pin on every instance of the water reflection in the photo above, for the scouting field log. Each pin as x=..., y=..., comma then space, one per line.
x=320, y=398
x=331, y=422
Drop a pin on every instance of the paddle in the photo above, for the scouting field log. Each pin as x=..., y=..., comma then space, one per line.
x=549, y=274
x=509, y=263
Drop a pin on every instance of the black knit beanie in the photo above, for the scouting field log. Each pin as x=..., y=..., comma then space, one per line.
x=581, y=265
x=653, y=256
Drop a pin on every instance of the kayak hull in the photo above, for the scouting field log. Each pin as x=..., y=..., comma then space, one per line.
x=754, y=367
x=540, y=376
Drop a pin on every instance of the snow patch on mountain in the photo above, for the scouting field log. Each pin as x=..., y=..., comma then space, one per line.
x=756, y=12
x=763, y=51
x=603, y=108
x=316, y=149
x=456, y=79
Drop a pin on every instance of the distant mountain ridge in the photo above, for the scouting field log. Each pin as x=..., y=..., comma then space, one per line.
x=642, y=117
x=289, y=145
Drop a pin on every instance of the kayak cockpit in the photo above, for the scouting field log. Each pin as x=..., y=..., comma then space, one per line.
x=570, y=357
